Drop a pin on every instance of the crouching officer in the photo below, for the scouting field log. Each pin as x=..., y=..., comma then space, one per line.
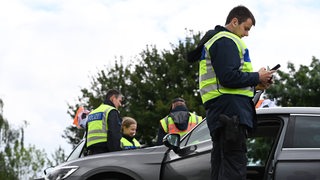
x=104, y=125
x=179, y=120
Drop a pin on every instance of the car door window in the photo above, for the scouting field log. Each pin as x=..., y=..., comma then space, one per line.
x=260, y=142
x=198, y=134
x=261, y=145
x=304, y=132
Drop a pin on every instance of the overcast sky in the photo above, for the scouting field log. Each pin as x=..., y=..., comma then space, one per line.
x=50, y=48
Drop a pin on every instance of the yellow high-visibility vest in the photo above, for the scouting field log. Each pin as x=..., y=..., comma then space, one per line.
x=126, y=145
x=209, y=85
x=168, y=125
x=98, y=125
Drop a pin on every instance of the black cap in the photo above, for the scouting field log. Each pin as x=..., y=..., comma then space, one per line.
x=178, y=99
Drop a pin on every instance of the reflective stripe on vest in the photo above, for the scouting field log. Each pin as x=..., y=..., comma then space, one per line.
x=125, y=144
x=209, y=85
x=97, y=124
x=168, y=125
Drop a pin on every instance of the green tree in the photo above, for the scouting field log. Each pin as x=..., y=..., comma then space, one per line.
x=16, y=160
x=6, y=136
x=297, y=87
x=57, y=158
x=149, y=82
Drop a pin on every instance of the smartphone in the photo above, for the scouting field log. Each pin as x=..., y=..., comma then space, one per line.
x=276, y=67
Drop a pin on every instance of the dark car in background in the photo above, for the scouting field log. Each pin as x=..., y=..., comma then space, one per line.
x=286, y=145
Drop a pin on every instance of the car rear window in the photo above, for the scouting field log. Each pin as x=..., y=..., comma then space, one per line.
x=303, y=132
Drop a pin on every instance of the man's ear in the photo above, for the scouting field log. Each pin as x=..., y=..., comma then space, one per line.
x=235, y=22
x=112, y=98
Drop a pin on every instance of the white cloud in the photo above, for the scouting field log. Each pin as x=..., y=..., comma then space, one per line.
x=49, y=48
x=286, y=34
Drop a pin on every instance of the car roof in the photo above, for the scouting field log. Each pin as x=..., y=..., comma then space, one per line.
x=289, y=110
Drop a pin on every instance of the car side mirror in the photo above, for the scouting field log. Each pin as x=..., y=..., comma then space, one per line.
x=172, y=141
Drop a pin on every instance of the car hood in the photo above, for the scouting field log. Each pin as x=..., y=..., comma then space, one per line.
x=149, y=159
x=121, y=154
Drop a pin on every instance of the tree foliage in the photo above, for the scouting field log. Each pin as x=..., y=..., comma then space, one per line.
x=18, y=161
x=298, y=87
x=149, y=82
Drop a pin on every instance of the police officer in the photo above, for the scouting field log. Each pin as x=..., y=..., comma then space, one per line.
x=104, y=125
x=179, y=120
x=129, y=128
x=227, y=84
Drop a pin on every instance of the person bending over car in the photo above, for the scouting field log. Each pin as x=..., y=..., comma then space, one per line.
x=104, y=125
x=179, y=120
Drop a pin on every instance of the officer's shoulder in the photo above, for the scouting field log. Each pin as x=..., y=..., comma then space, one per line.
x=114, y=110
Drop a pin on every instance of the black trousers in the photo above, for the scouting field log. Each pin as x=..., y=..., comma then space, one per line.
x=229, y=158
x=97, y=149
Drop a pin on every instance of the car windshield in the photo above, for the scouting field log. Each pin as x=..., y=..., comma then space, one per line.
x=199, y=134
x=77, y=152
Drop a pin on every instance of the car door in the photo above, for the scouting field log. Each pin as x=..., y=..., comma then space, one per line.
x=192, y=161
x=261, y=146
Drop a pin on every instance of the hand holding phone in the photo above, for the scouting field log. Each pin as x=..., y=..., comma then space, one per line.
x=273, y=69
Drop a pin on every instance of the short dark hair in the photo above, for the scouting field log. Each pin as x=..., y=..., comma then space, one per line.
x=178, y=100
x=242, y=13
x=112, y=92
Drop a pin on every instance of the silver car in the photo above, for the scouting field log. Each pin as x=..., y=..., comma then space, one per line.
x=280, y=142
